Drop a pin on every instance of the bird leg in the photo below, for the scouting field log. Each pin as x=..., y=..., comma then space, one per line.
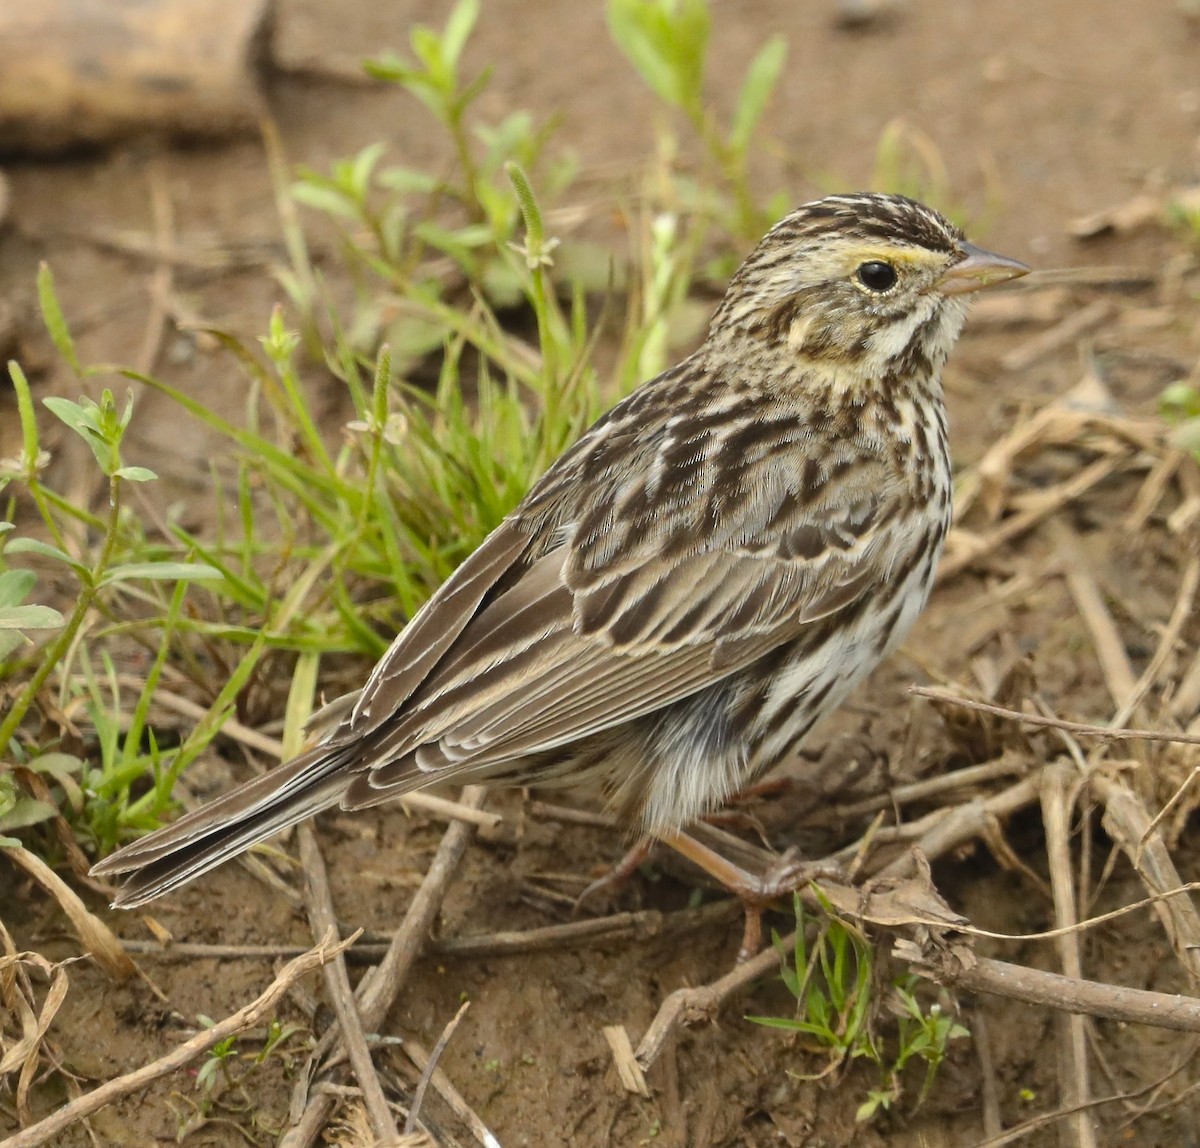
x=755, y=892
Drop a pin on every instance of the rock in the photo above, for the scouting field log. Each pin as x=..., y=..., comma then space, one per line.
x=86, y=72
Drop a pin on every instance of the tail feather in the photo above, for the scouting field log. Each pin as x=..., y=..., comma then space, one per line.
x=203, y=839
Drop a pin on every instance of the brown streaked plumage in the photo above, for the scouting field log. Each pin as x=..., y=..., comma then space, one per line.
x=707, y=572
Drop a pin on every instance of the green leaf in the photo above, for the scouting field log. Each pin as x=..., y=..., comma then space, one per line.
x=458, y=28
x=362, y=167
x=779, y=1022
x=29, y=618
x=428, y=49
x=96, y=423
x=31, y=451
x=162, y=572
x=629, y=24
x=52, y=316
x=135, y=473
x=15, y=586
x=27, y=811
x=761, y=78
x=407, y=179
x=666, y=41
x=43, y=550
x=56, y=764
x=326, y=199
x=73, y=414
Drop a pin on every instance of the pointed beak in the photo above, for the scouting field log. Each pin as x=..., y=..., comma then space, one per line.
x=978, y=269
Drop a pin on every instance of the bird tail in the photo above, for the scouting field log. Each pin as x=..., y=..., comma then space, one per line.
x=203, y=839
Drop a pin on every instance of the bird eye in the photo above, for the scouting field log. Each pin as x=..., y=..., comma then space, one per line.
x=877, y=275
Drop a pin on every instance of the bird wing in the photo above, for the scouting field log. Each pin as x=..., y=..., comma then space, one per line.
x=601, y=630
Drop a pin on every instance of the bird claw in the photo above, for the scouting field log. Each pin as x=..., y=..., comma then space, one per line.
x=785, y=876
x=618, y=875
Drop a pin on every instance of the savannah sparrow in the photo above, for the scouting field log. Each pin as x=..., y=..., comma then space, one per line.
x=689, y=588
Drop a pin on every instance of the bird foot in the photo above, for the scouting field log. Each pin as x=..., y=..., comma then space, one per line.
x=756, y=893
x=618, y=876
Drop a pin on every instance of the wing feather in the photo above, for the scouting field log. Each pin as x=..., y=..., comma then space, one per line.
x=528, y=675
x=435, y=627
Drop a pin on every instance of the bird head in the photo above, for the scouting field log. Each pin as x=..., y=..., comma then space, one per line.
x=865, y=285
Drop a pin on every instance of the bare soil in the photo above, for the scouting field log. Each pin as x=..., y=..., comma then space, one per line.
x=1043, y=110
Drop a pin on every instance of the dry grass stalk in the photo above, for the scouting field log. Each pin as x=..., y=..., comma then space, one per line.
x=1059, y=784
x=1128, y=823
x=96, y=937
x=629, y=1071
x=51, y=1128
x=425, y=1061
x=323, y=921
x=22, y=1054
x=379, y=988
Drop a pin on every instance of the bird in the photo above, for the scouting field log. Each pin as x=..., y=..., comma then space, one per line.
x=691, y=586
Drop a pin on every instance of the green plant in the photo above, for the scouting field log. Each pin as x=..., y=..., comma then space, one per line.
x=218, y=1059
x=668, y=44
x=1180, y=406
x=225, y=1084
x=1183, y=214
x=109, y=576
x=835, y=982
x=331, y=546
x=412, y=240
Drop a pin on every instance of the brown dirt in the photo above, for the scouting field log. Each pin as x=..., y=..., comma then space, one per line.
x=1051, y=109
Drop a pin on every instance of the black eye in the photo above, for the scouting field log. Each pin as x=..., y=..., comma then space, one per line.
x=877, y=275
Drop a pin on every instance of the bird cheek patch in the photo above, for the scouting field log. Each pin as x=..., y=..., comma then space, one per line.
x=798, y=332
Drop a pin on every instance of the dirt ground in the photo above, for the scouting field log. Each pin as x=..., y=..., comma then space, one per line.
x=1044, y=110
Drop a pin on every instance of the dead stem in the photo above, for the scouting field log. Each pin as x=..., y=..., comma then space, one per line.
x=639, y=926
x=410, y=1123
x=1052, y=990
x=162, y=278
x=379, y=988
x=629, y=1071
x=964, y=548
x=322, y=921
x=928, y=787
x=1184, y=602
x=446, y=1090
x=48, y=1130
x=1080, y=729
x=1128, y=823
x=981, y=1039
x=1106, y=638
x=688, y=1006
x=1059, y=786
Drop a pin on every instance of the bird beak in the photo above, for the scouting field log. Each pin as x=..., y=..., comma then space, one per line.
x=978, y=269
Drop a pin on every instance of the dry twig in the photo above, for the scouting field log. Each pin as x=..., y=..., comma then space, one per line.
x=323, y=921
x=1052, y=990
x=1128, y=823
x=633, y=926
x=48, y=1130
x=1080, y=729
x=449, y=1093
x=381, y=985
x=410, y=1124
x=1059, y=783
